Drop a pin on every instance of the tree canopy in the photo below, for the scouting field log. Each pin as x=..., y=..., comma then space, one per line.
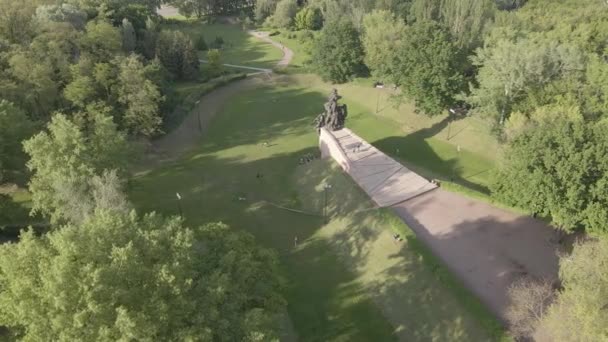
x=338, y=53
x=65, y=158
x=559, y=171
x=120, y=276
x=428, y=67
x=578, y=313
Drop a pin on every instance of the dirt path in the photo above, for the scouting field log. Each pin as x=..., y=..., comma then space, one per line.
x=183, y=138
x=287, y=53
x=486, y=247
x=190, y=131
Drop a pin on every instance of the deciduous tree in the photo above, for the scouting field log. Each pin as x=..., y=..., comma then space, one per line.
x=15, y=127
x=308, y=18
x=559, y=170
x=67, y=157
x=122, y=276
x=383, y=34
x=338, y=53
x=140, y=97
x=578, y=314
x=428, y=67
x=129, y=39
x=285, y=13
x=176, y=52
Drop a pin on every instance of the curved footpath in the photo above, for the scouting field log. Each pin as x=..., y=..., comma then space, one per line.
x=192, y=128
x=484, y=246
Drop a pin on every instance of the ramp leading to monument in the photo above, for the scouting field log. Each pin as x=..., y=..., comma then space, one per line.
x=385, y=180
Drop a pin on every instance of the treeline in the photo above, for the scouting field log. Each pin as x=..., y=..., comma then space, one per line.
x=85, y=59
x=202, y=8
x=80, y=82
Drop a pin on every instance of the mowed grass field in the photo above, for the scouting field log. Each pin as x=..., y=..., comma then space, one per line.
x=347, y=280
x=239, y=47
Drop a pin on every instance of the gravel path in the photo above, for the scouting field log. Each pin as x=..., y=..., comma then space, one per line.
x=287, y=53
x=486, y=247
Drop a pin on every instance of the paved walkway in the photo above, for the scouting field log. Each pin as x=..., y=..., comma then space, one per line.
x=385, y=180
x=486, y=247
x=241, y=67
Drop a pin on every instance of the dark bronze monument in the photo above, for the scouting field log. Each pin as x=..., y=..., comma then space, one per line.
x=335, y=114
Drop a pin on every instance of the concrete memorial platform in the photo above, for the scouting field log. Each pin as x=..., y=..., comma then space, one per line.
x=385, y=180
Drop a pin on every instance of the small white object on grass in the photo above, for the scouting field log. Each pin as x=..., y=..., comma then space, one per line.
x=179, y=197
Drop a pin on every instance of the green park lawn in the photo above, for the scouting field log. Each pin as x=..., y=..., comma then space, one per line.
x=341, y=283
x=239, y=47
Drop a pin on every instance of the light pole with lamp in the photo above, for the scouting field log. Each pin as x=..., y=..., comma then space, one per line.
x=179, y=204
x=326, y=187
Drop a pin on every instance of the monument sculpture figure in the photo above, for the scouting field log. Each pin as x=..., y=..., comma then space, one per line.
x=335, y=114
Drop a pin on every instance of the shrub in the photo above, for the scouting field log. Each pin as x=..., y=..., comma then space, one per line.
x=201, y=44
x=305, y=37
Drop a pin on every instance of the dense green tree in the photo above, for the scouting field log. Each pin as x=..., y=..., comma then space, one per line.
x=285, y=13
x=17, y=21
x=102, y=41
x=467, y=20
x=510, y=70
x=338, y=53
x=68, y=156
x=64, y=13
x=595, y=89
x=129, y=39
x=176, y=52
x=559, y=170
x=124, y=277
x=81, y=91
x=579, y=311
x=264, y=9
x=308, y=18
x=428, y=67
x=58, y=45
x=15, y=127
x=383, y=34
x=36, y=88
x=147, y=44
x=140, y=96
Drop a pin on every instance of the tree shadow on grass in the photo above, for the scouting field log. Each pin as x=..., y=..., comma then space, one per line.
x=325, y=300
x=414, y=151
x=407, y=288
x=485, y=248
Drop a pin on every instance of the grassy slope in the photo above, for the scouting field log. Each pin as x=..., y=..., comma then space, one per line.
x=327, y=301
x=392, y=272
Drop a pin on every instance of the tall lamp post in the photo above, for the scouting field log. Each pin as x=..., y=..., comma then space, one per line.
x=326, y=187
x=179, y=204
